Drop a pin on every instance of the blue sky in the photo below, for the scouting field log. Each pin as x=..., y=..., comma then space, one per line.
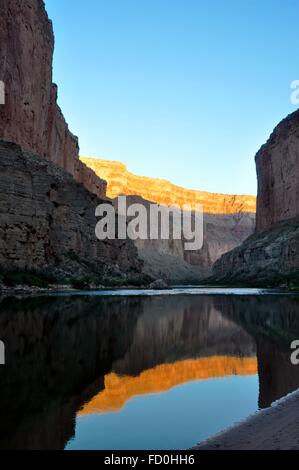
x=186, y=90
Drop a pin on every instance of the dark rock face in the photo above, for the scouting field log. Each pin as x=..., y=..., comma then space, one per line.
x=271, y=255
x=277, y=165
x=228, y=221
x=167, y=259
x=47, y=221
x=47, y=218
x=267, y=258
x=30, y=116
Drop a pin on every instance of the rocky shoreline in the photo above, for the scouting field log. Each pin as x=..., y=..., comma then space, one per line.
x=267, y=258
x=32, y=291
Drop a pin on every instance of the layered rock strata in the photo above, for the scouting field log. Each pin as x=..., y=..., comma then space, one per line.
x=269, y=258
x=30, y=116
x=271, y=255
x=277, y=166
x=47, y=222
x=121, y=181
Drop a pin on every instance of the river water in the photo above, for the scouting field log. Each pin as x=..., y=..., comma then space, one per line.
x=141, y=369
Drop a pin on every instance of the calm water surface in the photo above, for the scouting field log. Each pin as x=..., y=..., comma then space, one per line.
x=141, y=370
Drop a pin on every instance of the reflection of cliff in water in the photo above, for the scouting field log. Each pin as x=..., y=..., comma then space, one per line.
x=60, y=350
x=57, y=352
x=274, y=323
x=119, y=389
x=170, y=331
x=175, y=328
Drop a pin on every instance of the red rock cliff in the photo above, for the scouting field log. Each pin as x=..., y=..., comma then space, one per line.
x=121, y=181
x=277, y=164
x=31, y=116
x=271, y=256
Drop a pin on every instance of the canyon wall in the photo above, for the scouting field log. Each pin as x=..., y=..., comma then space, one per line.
x=228, y=220
x=48, y=196
x=30, y=116
x=121, y=181
x=277, y=165
x=47, y=223
x=270, y=257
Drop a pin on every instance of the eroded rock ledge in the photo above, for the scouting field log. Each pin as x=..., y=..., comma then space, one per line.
x=277, y=165
x=47, y=223
x=31, y=116
x=269, y=258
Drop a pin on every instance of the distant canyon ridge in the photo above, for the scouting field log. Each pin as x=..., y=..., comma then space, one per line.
x=228, y=221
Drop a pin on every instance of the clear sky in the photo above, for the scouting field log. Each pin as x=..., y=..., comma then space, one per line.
x=186, y=90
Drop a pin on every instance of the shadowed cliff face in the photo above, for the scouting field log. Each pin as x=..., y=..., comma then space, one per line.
x=31, y=116
x=277, y=165
x=32, y=119
x=269, y=258
x=271, y=255
x=47, y=218
x=69, y=355
x=168, y=258
x=228, y=220
x=47, y=221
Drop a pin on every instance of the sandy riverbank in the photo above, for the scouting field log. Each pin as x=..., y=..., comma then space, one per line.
x=274, y=428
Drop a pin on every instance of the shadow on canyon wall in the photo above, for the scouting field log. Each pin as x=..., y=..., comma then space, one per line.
x=59, y=350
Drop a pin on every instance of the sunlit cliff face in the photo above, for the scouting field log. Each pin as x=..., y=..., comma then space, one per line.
x=119, y=389
x=120, y=181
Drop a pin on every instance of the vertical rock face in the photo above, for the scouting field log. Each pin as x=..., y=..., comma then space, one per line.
x=271, y=256
x=277, y=164
x=31, y=116
x=47, y=223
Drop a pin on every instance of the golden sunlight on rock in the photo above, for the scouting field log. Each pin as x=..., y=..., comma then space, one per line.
x=121, y=182
x=118, y=390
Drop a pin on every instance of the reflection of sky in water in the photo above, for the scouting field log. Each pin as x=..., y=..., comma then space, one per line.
x=176, y=419
x=175, y=292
